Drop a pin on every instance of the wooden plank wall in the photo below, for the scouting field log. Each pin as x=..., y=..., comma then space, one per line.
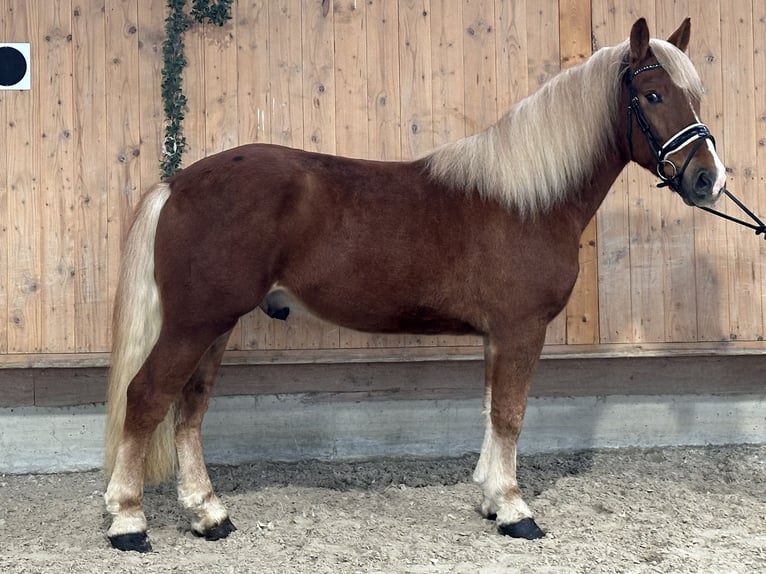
x=379, y=79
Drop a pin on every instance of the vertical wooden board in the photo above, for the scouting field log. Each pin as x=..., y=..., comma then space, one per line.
x=151, y=35
x=24, y=248
x=479, y=73
x=122, y=127
x=194, y=80
x=253, y=71
x=221, y=101
x=350, y=30
x=542, y=19
x=92, y=313
x=644, y=212
x=351, y=127
x=759, y=93
x=415, y=77
x=318, y=53
x=611, y=25
x=383, y=89
x=711, y=257
x=582, y=311
x=253, y=95
x=448, y=104
x=291, y=65
x=383, y=126
x=739, y=149
x=511, y=68
x=677, y=226
x=448, y=86
x=220, y=71
x=56, y=177
x=5, y=222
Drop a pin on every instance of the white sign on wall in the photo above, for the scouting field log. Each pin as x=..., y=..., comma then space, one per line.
x=14, y=66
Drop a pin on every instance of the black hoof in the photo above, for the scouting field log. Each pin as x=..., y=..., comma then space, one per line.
x=218, y=532
x=491, y=516
x=523, y=529
x=135, y=541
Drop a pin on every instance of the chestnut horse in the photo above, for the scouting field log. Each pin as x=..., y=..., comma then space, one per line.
x=479, y=237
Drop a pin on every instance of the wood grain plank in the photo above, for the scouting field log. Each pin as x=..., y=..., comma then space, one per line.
x=351, y=108
x=512, y=72
x=759, y=96
x=253, y=71
x=123, y=140
x=677, y=227
x=582, y=310
x=24, y=165
x=611, y=25
x=452, y=27
x=58, y=213
x=151, y=35
x=319, y=106
x=415, y=77
x=91, y=309
x=383, y=89
x=568, y=377
x=221, y=101
x=5, y=222
x=254, y=93
x=710, y=246
x=745, y=275
x=542, y=20
x=194, y=81
x=479, y=76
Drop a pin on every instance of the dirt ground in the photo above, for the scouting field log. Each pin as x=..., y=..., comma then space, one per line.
x=659, y=510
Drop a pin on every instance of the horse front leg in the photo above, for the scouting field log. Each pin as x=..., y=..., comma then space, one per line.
x=210, y=518
x=508, y=375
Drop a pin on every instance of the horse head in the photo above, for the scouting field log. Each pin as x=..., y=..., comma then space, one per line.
x=664, y=131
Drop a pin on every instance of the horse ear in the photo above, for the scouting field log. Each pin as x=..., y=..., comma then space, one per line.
x=680, y=38
x=639, y=41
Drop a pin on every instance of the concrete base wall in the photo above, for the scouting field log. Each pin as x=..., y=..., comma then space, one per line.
x=287, y=427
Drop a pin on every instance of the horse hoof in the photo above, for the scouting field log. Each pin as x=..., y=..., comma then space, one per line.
x=491, y=516
x=217, y=532
x=523, y=529
x=135, y=541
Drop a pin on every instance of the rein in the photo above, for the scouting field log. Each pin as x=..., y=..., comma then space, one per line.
x=696, y=133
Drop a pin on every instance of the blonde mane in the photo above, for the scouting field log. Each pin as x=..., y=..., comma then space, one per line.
x=549, y=142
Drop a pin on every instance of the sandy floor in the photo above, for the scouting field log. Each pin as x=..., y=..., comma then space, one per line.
x=661, y=510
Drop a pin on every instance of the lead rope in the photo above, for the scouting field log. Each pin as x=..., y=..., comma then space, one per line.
x=759, y=229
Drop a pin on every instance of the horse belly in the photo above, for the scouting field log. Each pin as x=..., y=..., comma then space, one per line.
x=389, y=316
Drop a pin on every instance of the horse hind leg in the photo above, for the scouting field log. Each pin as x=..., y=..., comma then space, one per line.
x=210, y=518
x=152, y=392
x=508, y=376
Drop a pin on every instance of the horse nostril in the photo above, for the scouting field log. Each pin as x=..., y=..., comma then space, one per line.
x=704, y=182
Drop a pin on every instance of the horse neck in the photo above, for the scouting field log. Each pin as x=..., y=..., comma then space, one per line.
x=586, y=201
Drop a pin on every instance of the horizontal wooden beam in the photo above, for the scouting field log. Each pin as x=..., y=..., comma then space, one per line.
x=453, y=379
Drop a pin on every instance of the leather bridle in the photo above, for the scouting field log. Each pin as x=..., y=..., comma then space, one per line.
x=696, y=133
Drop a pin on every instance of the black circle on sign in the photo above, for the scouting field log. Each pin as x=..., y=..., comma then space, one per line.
x=13, y=66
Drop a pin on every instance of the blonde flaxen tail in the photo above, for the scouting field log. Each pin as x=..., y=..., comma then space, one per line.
x=136, y=322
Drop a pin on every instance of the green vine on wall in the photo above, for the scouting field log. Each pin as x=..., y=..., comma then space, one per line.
x=174, y=61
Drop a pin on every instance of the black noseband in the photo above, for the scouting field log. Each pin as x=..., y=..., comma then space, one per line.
x=696, y=133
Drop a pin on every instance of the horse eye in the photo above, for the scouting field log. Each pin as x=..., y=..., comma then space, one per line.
x=653, y=98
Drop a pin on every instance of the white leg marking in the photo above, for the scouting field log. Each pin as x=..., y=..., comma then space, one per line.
x=496, y=473
x=123, y=487
x=195, y=491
